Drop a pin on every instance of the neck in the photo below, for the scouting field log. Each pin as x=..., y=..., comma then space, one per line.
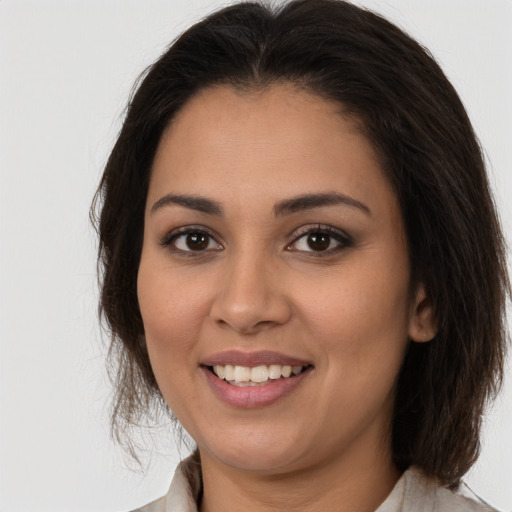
x=346, y=484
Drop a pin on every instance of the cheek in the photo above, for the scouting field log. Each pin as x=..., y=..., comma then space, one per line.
x=173, y=312
x=360, y=319
x=361, y=334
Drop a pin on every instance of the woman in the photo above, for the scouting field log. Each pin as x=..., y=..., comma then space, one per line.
x=302, y=260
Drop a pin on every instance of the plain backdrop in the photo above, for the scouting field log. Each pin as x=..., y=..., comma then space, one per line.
x=66, y=68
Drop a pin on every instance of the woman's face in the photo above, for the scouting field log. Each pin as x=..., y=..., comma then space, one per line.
x=273, y=240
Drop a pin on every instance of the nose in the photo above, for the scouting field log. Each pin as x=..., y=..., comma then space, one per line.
x=251, y=296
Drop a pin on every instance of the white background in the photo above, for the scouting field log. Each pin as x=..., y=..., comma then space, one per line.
x=66, y=68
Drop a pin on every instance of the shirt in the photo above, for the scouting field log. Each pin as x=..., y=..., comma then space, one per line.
x=414, y=492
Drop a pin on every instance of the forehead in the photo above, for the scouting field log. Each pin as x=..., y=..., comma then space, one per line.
x=281, y=113
x=276, y=141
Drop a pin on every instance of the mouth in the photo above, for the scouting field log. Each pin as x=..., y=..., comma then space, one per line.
x=256, y=379
x=244, y=376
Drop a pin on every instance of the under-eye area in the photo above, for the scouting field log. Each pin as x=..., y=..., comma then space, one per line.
x=257, y=375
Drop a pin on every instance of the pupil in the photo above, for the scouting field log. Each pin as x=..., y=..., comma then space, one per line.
x=318, y=241
x=197, y=241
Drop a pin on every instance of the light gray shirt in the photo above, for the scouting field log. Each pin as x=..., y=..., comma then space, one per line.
x=414, y=492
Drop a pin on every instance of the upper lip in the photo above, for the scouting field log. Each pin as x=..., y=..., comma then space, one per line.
x=251, y=359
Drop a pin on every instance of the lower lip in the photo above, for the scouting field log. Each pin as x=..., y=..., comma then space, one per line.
x=253, y=396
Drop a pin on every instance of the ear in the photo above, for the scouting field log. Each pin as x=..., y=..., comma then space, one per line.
x=422, y=324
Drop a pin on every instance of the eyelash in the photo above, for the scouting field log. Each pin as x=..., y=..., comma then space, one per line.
x=343, y=240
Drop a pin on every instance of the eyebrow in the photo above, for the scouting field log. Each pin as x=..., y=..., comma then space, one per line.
x=198, y=203
x=311, y=201
x=283, y=208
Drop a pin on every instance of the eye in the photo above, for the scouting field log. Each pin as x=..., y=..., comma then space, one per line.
x=191, y=240
x=321, y=239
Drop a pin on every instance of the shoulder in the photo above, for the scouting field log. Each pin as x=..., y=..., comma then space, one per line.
x=447, y=500
x=184, y=492
x=154, y=506
x=421, y=493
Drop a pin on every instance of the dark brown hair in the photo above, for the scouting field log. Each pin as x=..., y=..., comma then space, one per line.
x=428, y=150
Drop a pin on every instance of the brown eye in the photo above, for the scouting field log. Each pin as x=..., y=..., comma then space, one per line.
x=197, y=241
x=318, y=241
x=321, y=240
x=189, y=241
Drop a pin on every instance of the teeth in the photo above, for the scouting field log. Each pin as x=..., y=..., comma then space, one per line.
x=259, y=374
x=220, y=371
x=242, y=374
x=274, y=371
x=296, y=370
x=229, y=372
x=246, y=376
x=243, y=384
x=286, y=371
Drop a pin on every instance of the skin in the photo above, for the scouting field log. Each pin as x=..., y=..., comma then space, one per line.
x=348, y=310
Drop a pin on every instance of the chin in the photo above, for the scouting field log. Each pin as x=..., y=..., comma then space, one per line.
x=255, y=451
x=257, y=461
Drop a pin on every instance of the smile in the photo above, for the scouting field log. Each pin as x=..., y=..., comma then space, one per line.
x=256, y=376
x=256, y=379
